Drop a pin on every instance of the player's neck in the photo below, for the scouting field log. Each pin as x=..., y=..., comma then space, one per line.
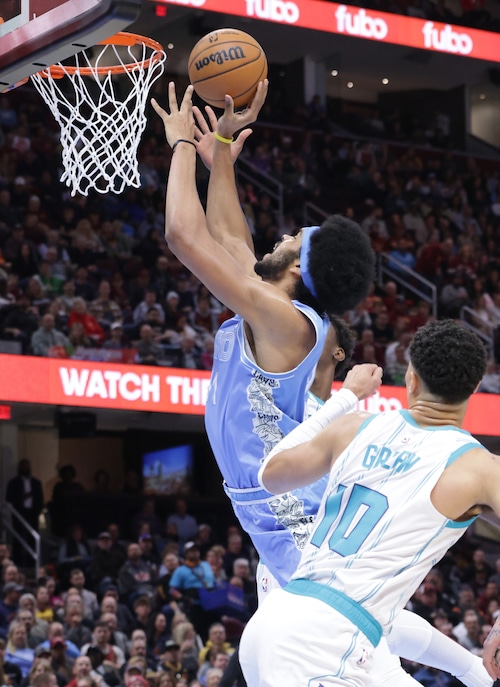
x=430, y=413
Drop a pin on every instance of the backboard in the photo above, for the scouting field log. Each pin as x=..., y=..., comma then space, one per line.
x=38, y=33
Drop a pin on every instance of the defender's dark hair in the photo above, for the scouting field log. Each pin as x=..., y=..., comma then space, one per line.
x=346, y=339
x=341, y=264
x=449, y=359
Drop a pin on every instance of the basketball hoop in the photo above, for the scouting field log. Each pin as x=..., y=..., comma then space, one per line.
x=101, y=127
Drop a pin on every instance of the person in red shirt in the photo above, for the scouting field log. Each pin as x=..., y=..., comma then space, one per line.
x=92, y=327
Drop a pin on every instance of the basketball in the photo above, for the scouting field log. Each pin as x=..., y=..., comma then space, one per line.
x=227, y=61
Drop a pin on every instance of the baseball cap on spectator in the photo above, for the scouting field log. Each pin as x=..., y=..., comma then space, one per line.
x=138, y=680
x=104, y=535
x=57, y=641
x=145, y=537
x=172, y=294
x=116, y=325
x=12, y=587
x=171, y=644
x=190, y=545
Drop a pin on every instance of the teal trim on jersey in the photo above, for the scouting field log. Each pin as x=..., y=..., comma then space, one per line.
x=409, y=419
x=316, y=398
x=463, y=449
x=454, y=525
x=339, y=601
x=365, y=423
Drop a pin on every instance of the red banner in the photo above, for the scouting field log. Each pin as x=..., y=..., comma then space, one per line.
x=52, y=381
x=361, y=23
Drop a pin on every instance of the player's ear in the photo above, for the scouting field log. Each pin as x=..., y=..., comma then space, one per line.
x=339, y=354
x=412, y=381
x=295, y=270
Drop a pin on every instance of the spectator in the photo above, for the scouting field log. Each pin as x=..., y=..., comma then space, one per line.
x=10, y=673
x=454, y=295
x=73, y=628
x=90, y=325
x=470, y=640
x=89, y=599
x=216, y=641
x=17, y=649
x=135, y=577
x=116, y=637
x=117, y=341
x=82, y=668
x=186, y=524
x=9, y=605
x=147, y=518
x=63, y=495
x=105, y=562
x=74, y=550
x=144, y=306
x=148, y=352
x=100, y=638
x=186, y=582
x=48, y=341
x=55, y=635
x=44, y=610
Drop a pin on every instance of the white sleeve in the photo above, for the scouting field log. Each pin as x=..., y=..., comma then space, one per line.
x=336, y=406
x=415, y=639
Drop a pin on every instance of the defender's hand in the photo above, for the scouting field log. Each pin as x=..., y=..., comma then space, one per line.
x=204, y=135
x=363, y=380
x=232, y=121
x=180, y=122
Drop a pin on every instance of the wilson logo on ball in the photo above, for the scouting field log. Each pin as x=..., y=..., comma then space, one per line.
x=227, y=61
x=220, y=57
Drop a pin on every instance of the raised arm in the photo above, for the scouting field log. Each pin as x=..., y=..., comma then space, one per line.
x=268, y=310
x=225, y=217
x=205, y=142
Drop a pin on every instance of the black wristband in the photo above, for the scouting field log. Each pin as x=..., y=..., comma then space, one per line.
x=183, y=140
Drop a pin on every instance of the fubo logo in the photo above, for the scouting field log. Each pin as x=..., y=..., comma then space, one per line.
x=360, y=23
x=447, y=39
x=275, y=10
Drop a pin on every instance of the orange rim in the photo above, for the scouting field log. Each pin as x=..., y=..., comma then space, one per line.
x=121, y=38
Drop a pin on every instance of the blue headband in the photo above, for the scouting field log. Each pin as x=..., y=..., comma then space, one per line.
x=307, y=232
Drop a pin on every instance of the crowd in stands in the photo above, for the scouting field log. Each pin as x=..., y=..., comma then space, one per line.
x=92, y=277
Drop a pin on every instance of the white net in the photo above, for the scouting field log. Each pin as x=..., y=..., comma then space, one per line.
x=102, y=114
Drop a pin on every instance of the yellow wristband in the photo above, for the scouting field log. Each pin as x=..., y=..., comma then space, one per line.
x=222, y=139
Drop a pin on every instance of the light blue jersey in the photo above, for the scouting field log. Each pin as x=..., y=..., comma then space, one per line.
x=248, y=412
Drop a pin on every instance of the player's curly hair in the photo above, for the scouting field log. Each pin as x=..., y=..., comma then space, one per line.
x=346, y=339
x=449, y=359
x=341, y=264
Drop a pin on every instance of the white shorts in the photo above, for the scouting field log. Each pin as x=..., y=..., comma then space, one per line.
x=302, y=642
x=265, y=580
x=298, y=641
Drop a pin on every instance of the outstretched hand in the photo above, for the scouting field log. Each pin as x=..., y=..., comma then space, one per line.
x=232, y=121
x=180, y=122
x=204, y=135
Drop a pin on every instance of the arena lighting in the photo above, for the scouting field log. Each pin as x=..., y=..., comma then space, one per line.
x=170, y=46
x=334, y=72
x=385, y=81
x=350, y=84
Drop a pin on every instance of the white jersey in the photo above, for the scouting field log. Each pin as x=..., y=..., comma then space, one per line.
x=364, y=545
